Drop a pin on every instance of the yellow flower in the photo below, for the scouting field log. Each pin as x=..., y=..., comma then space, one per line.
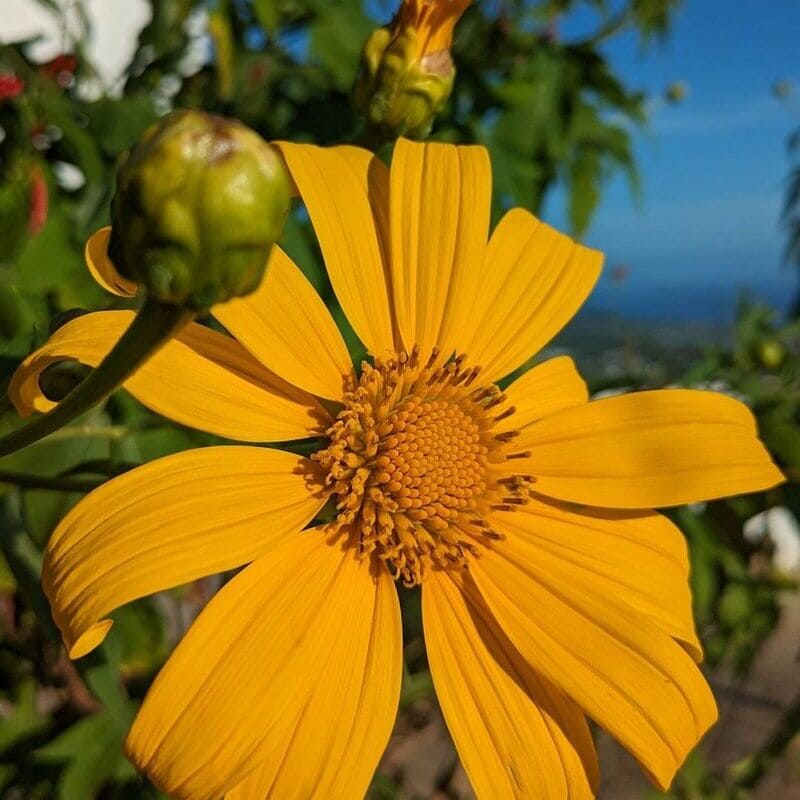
x=406, y=73
x=550, y=593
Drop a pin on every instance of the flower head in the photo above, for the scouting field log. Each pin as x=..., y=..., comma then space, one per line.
x=410, y=464
x=407, y=72
x=551, y=593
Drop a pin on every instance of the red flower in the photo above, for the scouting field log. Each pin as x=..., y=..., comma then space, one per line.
x=60, y=68
x=11, y=86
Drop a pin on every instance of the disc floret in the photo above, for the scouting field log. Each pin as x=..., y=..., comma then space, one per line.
x=413, y=464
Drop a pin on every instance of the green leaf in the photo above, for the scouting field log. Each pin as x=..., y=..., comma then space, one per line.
x=117, y=124
x=25, y=563
x=268, y=14
x=337, y=36
x=24, y=721
x=139, y=628
x=92, y=752
x=52, y=264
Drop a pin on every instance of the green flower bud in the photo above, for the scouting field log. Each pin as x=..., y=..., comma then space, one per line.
x=406, y=73
x=771, y=353
x=199, y=203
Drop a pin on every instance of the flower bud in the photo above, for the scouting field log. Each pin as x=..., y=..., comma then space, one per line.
x=406, y=72
x=771, y=353
x=199, y=203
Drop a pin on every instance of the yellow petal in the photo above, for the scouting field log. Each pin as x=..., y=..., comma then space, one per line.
x=167, y=523
x=543, y=390
x=646, y=449
x=439, y=209
x=202, y=379
x=346, y=192
x=101, y=267
x=516, y=734
x=533, y=281
x=633, y=679
x=286, y=685
x=287, y=327
x=640, y=557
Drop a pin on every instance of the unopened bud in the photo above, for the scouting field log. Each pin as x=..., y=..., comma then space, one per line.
x=771, y=353
x=407, y=72
x=199, y=204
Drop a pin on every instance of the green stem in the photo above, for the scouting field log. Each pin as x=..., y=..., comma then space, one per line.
x=23, y=481
x=371, y=139
x=154, y=325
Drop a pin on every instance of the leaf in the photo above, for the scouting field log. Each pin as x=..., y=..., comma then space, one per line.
x=142, y=639
x=42, y=510
x=52, y=264
x=117, y=124
x=92, y=752
x=24, y=721
x=25, y=563
x=268, y=14
x=337, y=36
x=585, y=175
x=101, y=671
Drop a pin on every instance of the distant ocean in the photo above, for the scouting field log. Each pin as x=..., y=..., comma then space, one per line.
x=702, y=299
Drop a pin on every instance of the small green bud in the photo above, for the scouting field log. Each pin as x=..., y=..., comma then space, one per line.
x=406, y=73
x=199, y=204
x=771, y=353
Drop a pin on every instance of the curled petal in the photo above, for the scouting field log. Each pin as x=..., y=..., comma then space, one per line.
x=102, y=268
x=201, y=378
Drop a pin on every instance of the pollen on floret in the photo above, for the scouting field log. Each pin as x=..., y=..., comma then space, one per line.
x=413, y=464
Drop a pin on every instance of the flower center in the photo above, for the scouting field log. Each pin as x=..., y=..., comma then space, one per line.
x=412, y=464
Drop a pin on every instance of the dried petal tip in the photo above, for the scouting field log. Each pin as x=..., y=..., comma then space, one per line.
x=200, y=201
x=407, y=72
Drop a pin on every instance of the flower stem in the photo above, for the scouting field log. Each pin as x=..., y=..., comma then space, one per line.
x=154, y=325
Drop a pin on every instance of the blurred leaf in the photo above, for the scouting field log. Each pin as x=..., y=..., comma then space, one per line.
x=267, y=13
x=139, y=629
x=92, y=752
x=337, y=35
x=25, y=563
x=117, y=124
x=52, y=265
x=24, y=720
x=43, y=510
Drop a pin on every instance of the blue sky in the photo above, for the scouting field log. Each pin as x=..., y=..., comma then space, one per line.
x=713, y=167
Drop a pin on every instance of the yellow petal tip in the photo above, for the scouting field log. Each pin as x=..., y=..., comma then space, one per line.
x=89, y=640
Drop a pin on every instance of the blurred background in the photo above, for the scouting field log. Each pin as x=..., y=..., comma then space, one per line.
x=665, y=133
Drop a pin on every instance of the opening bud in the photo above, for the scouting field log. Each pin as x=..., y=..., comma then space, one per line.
x=199, y=204
x=406, y=73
